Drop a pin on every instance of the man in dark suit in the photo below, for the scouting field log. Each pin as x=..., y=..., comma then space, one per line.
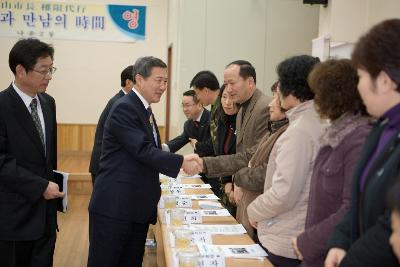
x=127, y=189
x=196, y=127
x=28, y=133
x=127, y=85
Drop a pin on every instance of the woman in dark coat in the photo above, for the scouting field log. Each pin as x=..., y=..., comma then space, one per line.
x=362, y=237
x=224, y=144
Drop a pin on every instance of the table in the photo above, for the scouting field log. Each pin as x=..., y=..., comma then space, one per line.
x=164, y=253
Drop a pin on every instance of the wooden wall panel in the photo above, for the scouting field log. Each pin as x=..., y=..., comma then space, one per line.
x=80, y=137
x=67, y=137
x=86, y=134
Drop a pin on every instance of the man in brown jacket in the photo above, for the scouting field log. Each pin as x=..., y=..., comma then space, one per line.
x=251, y=122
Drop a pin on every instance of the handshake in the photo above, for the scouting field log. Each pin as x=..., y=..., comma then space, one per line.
x=192, y=164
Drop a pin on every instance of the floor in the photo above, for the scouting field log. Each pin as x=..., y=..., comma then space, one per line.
x=72, y=240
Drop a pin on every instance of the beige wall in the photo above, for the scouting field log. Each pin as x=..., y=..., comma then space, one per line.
x=208, y=34
x=89, y=72
x=204, y=34
x=347, y=20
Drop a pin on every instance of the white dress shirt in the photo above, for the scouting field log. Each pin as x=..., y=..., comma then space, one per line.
x=146, y=105
x=27, y=101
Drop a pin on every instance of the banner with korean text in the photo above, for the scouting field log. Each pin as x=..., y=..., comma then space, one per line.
x=72, y=21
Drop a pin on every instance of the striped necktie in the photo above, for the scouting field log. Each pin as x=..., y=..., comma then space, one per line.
x=151, y=120
x=36, y=120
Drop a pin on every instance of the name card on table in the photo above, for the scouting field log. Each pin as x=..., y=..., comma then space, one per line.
x=215, y=260
x=173, y=189
x=176, y=190
x=193, y=216
x=183, y=202
x=201, y=237
x=197, y=237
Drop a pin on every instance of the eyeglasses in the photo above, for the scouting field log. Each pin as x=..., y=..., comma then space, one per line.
x=50, y=71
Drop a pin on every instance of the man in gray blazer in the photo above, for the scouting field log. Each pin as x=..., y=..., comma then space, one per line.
x=251, y=121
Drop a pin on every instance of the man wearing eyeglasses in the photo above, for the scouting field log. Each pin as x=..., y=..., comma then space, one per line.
x=28, y=149
x=196, y=127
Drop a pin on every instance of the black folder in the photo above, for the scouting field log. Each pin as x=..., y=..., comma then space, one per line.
x=59, y=179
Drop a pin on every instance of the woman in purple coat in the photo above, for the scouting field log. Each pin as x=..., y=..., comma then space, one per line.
x=334, y=83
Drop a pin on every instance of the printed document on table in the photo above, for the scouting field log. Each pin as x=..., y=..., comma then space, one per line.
x=213, y=213
x=203, y=197
x=236, y=251
x=220, y=229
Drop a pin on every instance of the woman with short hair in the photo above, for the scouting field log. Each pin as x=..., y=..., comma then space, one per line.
x=334, y=84
x=362, y=237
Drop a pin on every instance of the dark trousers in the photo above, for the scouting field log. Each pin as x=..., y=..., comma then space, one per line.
x=115, y=243
x=93, y=178
x=35, y=253
x=278, y=261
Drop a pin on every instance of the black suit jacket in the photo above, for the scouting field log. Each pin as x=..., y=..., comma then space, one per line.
x=223, y=126
x=25, y=168
x=201, y=133
x=208, y=148
x=365, y=230
x=98, y=138
x=127, y=185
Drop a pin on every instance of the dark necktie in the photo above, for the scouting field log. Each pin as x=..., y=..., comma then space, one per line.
x=150, y=114
x=151, y=120
x=197, y=124
x=36, y=120
x=228, y=139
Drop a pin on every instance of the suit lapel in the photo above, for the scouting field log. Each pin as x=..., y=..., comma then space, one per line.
x=48, y=118
x=369, y=148
x=24, y=118
x=205, y=117
x=145, y=117
x=158, y=133
x=120, y=93
x=383, y=155
x=250, y=108
x=241, y=126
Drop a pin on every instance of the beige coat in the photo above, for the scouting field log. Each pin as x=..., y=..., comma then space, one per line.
x=281, y=210
x=248, y=134
x=250, y=179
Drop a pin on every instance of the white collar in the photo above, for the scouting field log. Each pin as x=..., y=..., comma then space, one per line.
x=25, y=97
x=201, y=114
x=145, y=103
